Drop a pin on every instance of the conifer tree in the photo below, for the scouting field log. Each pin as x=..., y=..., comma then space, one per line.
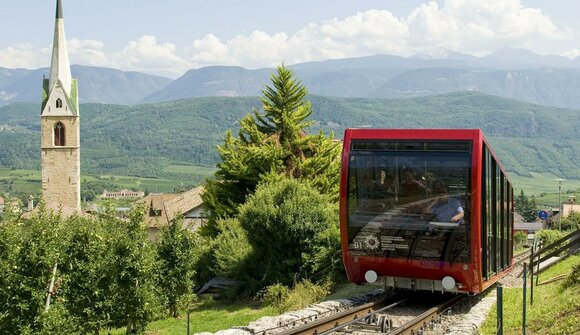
x=521, y=202
x=528, y=208
x=273, y=140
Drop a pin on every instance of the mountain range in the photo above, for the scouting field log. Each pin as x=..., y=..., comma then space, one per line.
x=96, y=84
x=510, y=73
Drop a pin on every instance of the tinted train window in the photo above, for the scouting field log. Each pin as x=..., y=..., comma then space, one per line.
x=409, y=199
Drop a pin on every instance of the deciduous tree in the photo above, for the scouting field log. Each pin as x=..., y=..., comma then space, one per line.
x=175, y=252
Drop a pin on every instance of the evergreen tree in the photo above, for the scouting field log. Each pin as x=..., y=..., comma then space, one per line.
x=531, y=211
x=272, y=140
x=521, y=202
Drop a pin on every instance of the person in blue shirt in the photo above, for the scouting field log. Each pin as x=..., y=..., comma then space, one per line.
x=445, y=208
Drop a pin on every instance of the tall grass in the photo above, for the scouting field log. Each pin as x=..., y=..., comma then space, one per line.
x=556, y=308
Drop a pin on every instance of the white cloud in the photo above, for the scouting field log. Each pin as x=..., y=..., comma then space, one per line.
x=146, y=55
x=484, y=26
x=24, y=56
x=468, y=26
x=572, y=53
x=88, y=52
x=210, y=50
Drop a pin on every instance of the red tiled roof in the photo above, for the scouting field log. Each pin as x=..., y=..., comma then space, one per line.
x=172, y=205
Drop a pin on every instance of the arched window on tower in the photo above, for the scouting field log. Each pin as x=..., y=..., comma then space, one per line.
x=58, y=103
x=59, y=139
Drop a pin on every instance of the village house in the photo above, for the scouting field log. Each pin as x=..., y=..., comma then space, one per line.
x=164, y=209
x=122, y=194
x=570, y=206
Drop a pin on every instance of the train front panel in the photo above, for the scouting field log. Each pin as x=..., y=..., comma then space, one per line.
x=407, y=215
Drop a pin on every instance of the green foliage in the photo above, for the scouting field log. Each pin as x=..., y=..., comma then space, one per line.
x=92, y=188
x=526, y=207
x=275, y=295
x=58, y=321
x=175, y=252
x=274, y=142
x=203, y=258
x=105, y=273
x=86, y=280
x=548, y=236
x=520, y=239
x=231, y=250
x=573, y=278
x=572, y=221
x=133, y=265
x=555, y=311
x=287, y=224
x=28, y=251
x=187, y=131
x=283, y=299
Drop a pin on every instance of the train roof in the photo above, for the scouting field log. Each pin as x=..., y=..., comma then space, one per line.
x=421, y=134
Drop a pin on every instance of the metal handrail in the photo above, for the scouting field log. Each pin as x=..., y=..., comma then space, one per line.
x=554, y=248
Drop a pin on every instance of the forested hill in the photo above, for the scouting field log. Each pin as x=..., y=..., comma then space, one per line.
x=142, y=140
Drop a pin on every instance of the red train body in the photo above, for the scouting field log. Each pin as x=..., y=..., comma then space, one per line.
x=424, y=209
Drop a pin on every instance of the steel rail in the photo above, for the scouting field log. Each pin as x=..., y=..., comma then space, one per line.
x=340, y=320
x=422, y=320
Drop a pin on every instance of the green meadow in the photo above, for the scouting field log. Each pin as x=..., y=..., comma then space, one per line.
x=20, y=183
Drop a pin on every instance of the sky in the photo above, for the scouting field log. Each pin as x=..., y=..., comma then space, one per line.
x=169, y=37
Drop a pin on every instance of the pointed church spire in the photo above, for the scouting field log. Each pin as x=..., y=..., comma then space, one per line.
x=60, y=67
x=58, y=10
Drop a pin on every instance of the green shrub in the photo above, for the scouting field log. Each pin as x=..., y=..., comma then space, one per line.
x=275, y=296
x=520, y=239
x=289, y=223
x=548, y=236
x=572, y=221
x=58, y=321
x=203, y=259
x=231, y=250
x=304, y=293
x=574, y=278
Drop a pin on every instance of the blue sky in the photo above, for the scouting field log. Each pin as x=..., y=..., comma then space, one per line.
x=171, y=36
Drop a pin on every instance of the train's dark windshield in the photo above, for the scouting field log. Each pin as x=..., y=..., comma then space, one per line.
x=409, y=199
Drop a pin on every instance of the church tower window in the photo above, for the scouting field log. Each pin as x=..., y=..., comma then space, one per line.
x=59, y=139
x=58, y=103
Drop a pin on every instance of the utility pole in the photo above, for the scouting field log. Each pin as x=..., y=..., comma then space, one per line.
x=559, y=180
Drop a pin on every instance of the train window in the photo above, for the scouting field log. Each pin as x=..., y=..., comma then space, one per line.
x=485, y=212
x=410, y=199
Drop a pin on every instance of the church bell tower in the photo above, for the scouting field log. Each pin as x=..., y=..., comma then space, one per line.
x=60, y=129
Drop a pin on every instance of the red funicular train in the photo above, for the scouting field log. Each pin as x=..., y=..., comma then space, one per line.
x=424, y=209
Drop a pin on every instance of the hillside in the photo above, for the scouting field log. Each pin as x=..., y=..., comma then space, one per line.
x=143, y=140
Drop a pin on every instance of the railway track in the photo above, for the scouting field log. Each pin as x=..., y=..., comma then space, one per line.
x=522, y=256
x=396, y=315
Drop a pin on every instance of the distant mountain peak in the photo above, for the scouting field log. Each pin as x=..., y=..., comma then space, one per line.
x=512, y=52
x=438, y=53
